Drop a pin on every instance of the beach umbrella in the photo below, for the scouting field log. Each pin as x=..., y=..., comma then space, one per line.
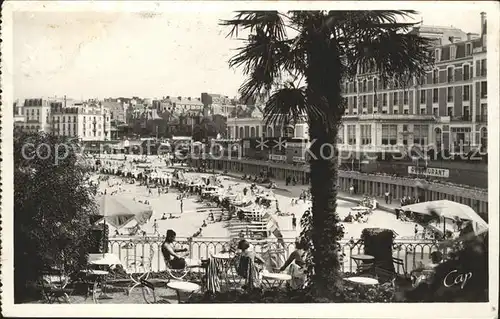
x=118, y=211
x=450, y=210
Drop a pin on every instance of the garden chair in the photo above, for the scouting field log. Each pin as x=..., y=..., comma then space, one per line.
x=384, y=275
x=55, y=289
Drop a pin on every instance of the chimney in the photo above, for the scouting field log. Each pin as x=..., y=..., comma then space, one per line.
x=483, y=23
x=64, y=100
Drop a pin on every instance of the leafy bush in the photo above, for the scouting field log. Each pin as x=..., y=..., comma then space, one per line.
x=347, y=293
x=379, y=243
x=461, y=278
x=52, y=209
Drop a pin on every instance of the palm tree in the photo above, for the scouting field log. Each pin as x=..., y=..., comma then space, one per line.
x=326, y=49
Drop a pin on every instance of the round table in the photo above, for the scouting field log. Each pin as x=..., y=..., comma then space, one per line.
x=363, y=280
x=97, y=284
x=104, y=259
x=184, y=286
x=222, y=256
x=278, y=278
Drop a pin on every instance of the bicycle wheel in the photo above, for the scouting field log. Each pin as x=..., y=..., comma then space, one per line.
x=148, y=294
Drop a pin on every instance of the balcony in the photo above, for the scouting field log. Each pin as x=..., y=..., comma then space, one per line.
x=464, y=118
x=481, y=118
x=403, y=117
x=410, y=250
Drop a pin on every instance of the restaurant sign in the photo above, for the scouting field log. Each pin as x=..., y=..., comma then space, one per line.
x=281, y=158
x=429, y=171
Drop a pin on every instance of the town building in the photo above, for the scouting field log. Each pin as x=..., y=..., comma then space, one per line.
x=217, y=104
x=86, y=121
x=445, y=110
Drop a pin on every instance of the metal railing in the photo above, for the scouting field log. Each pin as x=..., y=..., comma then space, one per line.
x=411, y=251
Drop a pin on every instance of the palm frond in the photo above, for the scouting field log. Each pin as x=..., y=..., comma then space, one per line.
x=270, y=22
x=399, y=56
x=286, y=105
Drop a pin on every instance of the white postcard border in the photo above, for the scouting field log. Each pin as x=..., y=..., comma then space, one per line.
x=400, y=310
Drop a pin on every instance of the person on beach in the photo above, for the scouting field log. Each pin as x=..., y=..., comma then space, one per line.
x=155, y=227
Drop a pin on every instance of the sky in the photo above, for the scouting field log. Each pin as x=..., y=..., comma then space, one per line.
x=97, y=55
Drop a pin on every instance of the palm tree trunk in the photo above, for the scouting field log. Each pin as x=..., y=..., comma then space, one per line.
x=324, y=80
x=325, y=222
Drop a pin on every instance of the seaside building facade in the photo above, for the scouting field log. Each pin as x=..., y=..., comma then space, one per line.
x=86, y=121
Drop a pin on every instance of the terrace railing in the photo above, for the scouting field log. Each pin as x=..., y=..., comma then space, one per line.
x=411, y=251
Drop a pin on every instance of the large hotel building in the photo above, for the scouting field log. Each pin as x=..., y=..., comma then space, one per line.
x=446, y=111
x=447, y=108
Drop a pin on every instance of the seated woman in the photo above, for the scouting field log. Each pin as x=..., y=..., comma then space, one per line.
x=244, y=246
x=249, y=265
x=424, y=273
x=296, y=265
x=170, y=255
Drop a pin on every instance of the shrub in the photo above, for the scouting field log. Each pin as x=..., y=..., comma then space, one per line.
x=53, y=206
x=379, y=243
x=468, y=260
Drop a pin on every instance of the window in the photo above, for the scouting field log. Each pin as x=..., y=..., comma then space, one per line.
x=365, y=85
x=451, y=74
x=375, y=100
x=384, y=99
x=437, y=55
x=64, y=119
x=355, y=103
x=466, y=96
x=405, y=111
x=453, y=52
x=449, y=94
x=355, y=86
x=483, y=67
x=366, y=134
x=450, y=111
x=435, y=95
x=389, y=134
x=351, y=134
x=438, y=137
x=340, y=135
x=405, y=97
x=466, y=72
x=484, y=89
x=395, y=98
x=364, y=101
x=468, y=49
x=435, y=76
x=395, y=111
x=347, y=87
x=435, y=111
x=423, y=95
x=420, y=134
x=375, y=84
x=423, y=110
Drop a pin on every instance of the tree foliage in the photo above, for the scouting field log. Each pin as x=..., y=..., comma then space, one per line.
x=53, y=205
x=299, y=60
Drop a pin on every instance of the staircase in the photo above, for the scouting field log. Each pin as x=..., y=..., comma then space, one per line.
x=254, y=226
